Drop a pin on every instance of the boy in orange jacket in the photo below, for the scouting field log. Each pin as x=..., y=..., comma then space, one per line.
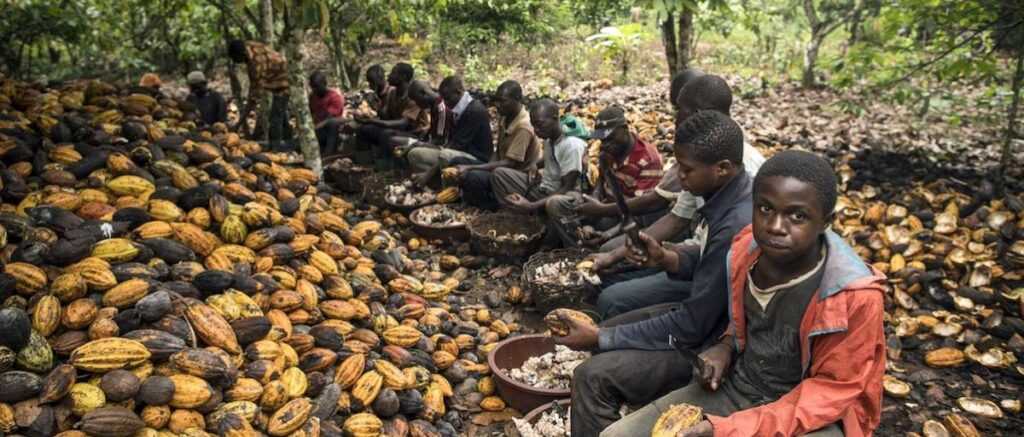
x=804, y=353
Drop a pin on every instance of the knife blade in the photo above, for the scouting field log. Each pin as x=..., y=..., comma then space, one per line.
x=688, y=354
x=629, y=226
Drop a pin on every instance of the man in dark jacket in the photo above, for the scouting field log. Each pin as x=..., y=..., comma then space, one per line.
x=635, y=363
x=209, y=103
x=470, y=141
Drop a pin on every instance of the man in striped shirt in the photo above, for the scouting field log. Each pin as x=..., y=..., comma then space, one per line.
x=268, y=72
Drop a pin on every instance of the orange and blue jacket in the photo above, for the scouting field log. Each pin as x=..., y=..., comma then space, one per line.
x=842, y=349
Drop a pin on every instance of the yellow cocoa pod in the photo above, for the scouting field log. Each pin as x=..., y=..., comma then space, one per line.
x=367, y=387
x=115, y=250
x=363, y=425
x=190, y=391
x=106, y=354
x=46, y=315
x=85, y=398
x=678, y=418
x=290, y=417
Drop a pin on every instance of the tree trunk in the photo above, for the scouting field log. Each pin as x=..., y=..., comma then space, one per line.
x=236, y=86
x=298, y=91
x=810, y=59
x=262, y=131
x=668, y=38
x=1011, y=125
x=339, y=58
x=685, y=39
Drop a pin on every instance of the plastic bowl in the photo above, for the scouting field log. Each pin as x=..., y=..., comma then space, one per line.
x=511, y=354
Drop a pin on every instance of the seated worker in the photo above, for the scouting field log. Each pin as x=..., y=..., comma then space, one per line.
x=518, y=148
x=470, y=141
x=399, y=115
x=804, y=353
x=268, y=72
x=441, y=121
x=637, y=167
x=208, y=103
x=327, y=106
x=662, y=196
x=633, y=363
x=379, y=87
x=631, y=288
x=563, y=165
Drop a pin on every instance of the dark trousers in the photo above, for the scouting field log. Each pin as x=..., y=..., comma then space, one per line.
x=327, y=136
x=280, y=130
x=378, y=140
x=476, y=187
x=631, y=290
x=608, y=380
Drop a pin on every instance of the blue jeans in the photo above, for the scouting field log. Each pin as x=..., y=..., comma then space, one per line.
x=638, y=289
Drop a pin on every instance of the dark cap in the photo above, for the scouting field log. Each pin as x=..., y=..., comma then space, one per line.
x=608, y=120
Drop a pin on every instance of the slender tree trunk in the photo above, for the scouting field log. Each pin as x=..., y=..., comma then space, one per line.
x=297, y=101
x=295, y=34
x=236, y=86
x=668, y=38
x=685, y=39
x=339, y=58
x=1011, y=125
x=267, y=35
x=810, y=59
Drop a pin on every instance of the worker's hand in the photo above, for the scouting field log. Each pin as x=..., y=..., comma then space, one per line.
x=701, y=429
x=590, y=207
x=463, y=169
x=421, y=179
x=650, y=255
x=517, y=202
x=717, y=360
x=604, y=260
x=582, y=336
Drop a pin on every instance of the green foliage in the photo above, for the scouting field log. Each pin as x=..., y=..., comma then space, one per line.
x=600, y=13
x=472, y=22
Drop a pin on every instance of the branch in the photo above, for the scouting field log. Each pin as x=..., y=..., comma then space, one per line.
x=812, y=16
x=231, y=15
x=919, y=67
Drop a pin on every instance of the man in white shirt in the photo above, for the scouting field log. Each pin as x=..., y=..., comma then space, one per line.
x=563, y=165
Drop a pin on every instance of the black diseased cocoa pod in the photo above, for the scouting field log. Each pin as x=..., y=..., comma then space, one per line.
x=134, y=216
x=326, y=404
x=197, y=197
x=159, y=343
x=58, y=219
x=89, y=163
x=154, y=306
x=31, y=252
x=386, y=404
x=120, y=385
x=410, y=402
x=213, y=281
x=171, y=251
x=170, y=194
x=15, y=328
x=133, y=270
x=19, y=385
x=250, y=329
x=182, y=288
x=65, y=252
x=156, y=390
x=128, y=320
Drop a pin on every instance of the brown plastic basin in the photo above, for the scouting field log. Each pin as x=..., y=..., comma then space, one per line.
x=511, y=354
x=534, y=416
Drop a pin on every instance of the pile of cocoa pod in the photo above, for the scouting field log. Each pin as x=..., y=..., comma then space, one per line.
x=955, y=295
x=159, y=279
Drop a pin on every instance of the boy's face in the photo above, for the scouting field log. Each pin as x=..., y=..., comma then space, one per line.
x=375, y=80
x=545, y=124
x=395, y=78
x=788, y=218
x=507, y=106
x=699, y=178
x=618, y=142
